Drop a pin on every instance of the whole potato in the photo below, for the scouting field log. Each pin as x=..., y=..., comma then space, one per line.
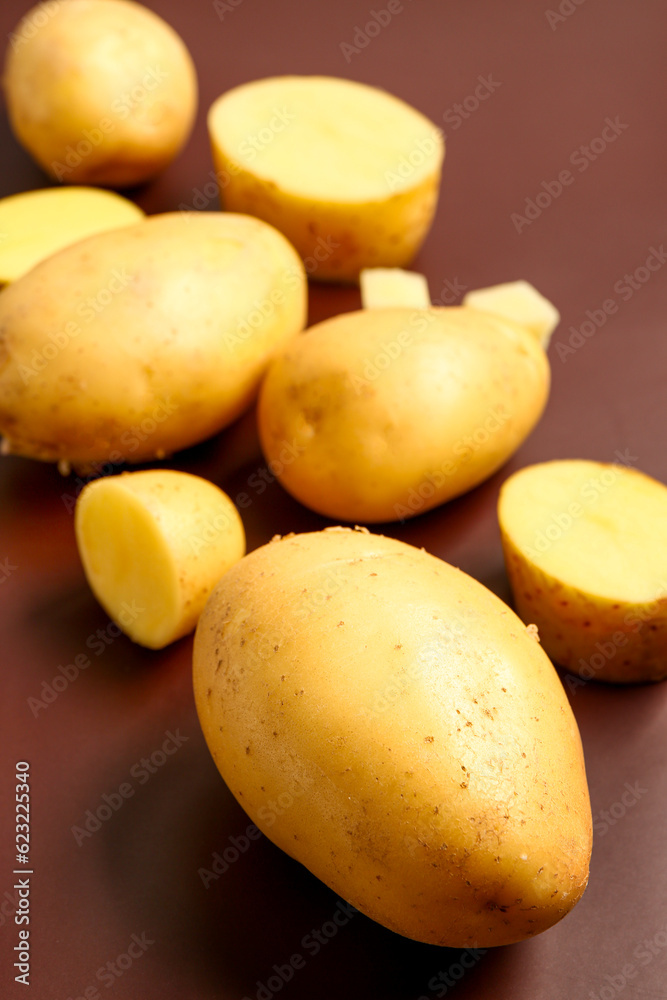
x=392, y=725
x=135, y=343
x=388, y=412
x=99, y=91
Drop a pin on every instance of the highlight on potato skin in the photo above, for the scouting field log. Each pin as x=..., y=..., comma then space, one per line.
x=584, y=546
x=440, y=775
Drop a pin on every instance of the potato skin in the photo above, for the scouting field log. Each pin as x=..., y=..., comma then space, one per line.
x=392, y=725
x=389, y=412
x=100, y=91
x=136, y=343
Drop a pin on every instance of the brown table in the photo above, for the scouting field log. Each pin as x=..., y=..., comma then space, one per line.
x=523, y=94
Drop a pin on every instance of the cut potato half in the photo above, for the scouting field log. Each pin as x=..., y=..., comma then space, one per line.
x=36, y=224
x=153, y=545
x=349, y=173
x=521, y=302
x=586, y=551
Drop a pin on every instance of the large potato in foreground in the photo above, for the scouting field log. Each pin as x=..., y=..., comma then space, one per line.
x=138, y=342
x=99, y=91
x=585, y=546
x=386, y=413
x=392, y=725
x=349, y=173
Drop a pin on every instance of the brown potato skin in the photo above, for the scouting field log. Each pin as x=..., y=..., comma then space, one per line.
x=391, y=724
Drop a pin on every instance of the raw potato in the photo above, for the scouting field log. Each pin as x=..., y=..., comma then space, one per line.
x=521, y=302
x=586, y=552
x=99, y=91
x=153, y=545
x=135, y=343
x=392, y=725
x=382, y=287
x=381, y=414
x=36, y=224
x=349, y=173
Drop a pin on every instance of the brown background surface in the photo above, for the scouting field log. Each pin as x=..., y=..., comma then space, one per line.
x=139, y=873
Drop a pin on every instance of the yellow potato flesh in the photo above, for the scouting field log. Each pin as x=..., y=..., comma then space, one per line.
x=349, y=173
x=381, y=414
x=392, y=725
x=153, y=545
x=99, y=91
x=36, y=224
x=384, y=287
x=138, y=342
x=585, y=547
x=520, y=302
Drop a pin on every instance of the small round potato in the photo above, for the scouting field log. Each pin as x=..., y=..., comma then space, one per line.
x=385, y=413
x=99, y=91
x=153, y=545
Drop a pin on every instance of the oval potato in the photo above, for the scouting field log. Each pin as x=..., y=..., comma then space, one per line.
x=136, y=343
x=423, y=753
x=380, y=414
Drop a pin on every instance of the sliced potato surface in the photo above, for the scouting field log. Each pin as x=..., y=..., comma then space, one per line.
x=153, y=545
x=35, y=224
x=586, y=551
x=348, y=172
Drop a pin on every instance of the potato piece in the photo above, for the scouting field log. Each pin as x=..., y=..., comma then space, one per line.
x=349, y=173
x=135, y=343
x=153, y=545
x=383, y=287
x=586, y=552
x=390, y=723
x=99, y=91
x=385, y=413
x=521, y=302
x=36, y=224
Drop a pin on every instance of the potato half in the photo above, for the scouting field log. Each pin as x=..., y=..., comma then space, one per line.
x=99, y=91
x=36, y=224
x=586, y=552
x=385, y=413
x=135, y=343
x=392, y=725
x=153, y=545
x=348, y=172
